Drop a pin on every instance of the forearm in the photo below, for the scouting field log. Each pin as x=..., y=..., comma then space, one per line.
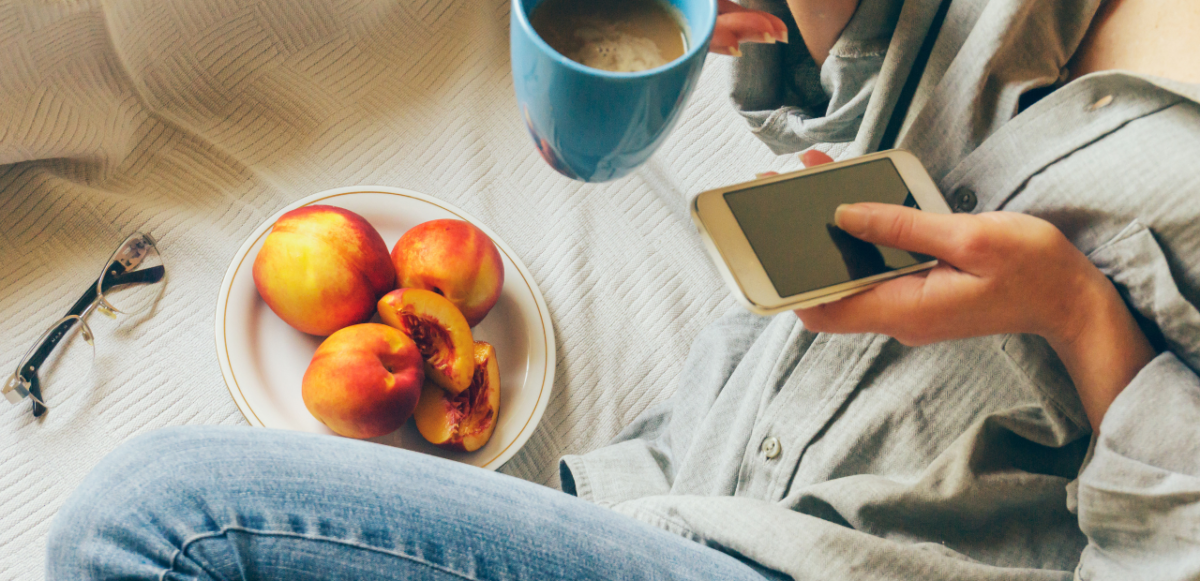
x=1103, y=350
x=821, y=23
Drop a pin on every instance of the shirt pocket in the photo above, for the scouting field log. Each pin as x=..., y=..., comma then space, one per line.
x=1133, y=260
x=1136, y=264
x=1047, y=376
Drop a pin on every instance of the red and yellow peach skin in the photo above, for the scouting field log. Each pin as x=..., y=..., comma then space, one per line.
x=452, y=258
x=323, y=268
x=364, y=380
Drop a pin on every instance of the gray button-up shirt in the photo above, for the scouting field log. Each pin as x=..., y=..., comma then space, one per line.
x=852, y=456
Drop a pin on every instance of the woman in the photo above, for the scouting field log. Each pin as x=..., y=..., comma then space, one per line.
x=808, y=447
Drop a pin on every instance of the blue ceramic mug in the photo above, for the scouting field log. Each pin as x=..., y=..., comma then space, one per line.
x=595, y=125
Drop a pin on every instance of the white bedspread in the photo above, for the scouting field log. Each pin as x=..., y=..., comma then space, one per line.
x=197, y=119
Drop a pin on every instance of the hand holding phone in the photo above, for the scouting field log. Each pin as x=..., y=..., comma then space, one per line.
x=776, y=242
x=998, y=272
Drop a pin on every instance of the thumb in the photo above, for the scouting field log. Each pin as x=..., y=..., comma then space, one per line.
x=901, y=227
x=815, y=157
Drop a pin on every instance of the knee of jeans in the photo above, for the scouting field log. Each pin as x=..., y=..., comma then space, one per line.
x=141, y=476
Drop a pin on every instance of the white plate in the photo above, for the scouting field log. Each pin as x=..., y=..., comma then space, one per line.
x=263, y=359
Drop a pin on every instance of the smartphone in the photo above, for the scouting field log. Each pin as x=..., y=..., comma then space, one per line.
x=774, y=239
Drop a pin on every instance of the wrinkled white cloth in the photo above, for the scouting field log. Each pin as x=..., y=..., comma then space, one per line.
x=198, y=119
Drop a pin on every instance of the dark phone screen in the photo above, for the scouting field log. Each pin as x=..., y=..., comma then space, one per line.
x=790, y=226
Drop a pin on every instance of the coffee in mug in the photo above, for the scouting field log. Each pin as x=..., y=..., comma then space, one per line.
x=598, y=125
x=612, y=35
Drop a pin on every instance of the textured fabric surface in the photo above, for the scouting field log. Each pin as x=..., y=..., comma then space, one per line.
x=197, y=119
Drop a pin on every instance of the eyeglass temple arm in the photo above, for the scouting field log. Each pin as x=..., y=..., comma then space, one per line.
x=116, y=276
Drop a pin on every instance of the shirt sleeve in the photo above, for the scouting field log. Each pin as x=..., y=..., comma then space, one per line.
x=792, y=104
x=1139, y=497
x=642, y=459
x=633, y=465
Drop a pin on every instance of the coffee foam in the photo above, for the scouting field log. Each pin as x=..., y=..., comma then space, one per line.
x=603, y=45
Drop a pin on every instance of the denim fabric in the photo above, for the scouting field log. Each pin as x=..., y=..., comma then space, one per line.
x=242, y=503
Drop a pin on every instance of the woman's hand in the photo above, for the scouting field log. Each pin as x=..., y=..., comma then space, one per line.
x=998, y=272
x=736, y=25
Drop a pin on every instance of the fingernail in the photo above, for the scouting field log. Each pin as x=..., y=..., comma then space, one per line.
x=814, y=157
x=784, y=37
x=767, y=38
x=735, y=51
x=850, y=217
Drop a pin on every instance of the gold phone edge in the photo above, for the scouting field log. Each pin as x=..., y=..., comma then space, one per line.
x=833, y=293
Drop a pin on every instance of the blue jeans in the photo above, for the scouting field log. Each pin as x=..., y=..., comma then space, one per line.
x=248, y=503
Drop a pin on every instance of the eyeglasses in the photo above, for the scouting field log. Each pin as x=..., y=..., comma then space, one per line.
x=126, y=286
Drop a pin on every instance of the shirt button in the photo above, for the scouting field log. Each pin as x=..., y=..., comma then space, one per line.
x=963, y=200
x=1102, y=103
x=771, y=447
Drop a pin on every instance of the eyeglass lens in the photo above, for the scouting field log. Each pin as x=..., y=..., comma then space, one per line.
x=125, y=284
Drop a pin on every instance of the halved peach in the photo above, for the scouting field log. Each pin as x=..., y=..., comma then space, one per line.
x=439, y=330
x=465, y=421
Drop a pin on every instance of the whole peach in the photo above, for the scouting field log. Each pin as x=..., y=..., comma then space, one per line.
x=323, y=268
x=364, y=380
x=454, y=259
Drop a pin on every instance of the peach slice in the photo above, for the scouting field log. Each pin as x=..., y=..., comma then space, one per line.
x=465, y=421
x=439, y=330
